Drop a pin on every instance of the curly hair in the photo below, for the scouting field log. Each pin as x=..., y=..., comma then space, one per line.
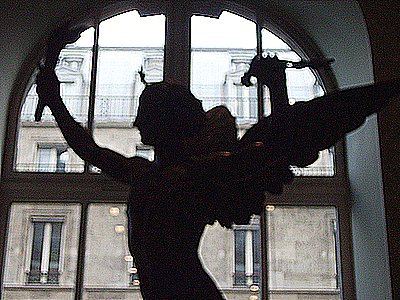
x=171, y=106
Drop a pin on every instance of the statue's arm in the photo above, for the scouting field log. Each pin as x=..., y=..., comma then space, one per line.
x=78, y=138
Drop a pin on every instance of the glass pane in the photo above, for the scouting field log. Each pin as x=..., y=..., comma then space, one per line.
x=222, y=50
x=240, y=244
x=302, y=85
x=107, y=244
x=127, y=44
x=302, y=253
x=36, y=255
x=232, y=257
x=109, y=270
x=55, y=249
x=73, y=71
x=323, y=166
x=44, y=161
x=42, y=250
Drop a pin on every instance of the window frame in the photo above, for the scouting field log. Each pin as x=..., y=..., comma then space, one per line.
x=100, y=188
x=31, y=235
x=60, y=149
x=254, y=228
x=23, y=213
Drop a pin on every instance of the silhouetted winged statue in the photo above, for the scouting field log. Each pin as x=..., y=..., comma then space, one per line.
x=202, y=173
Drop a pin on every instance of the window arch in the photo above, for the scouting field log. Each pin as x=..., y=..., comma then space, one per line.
x=108, y=110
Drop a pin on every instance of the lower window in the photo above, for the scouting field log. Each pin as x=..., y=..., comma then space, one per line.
x=46, y=249
x=298, y=244
x=299, y=249
x=247, y=254
x=42, y=251
x=302, y=252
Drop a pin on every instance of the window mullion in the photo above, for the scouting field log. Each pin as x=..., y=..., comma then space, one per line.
x=93, y=81
x=263, y=217
x=260, y=90
x=81, y=252
x=177, y=45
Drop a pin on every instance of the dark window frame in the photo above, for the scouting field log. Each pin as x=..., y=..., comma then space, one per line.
x=54, y=243
x=330, y=191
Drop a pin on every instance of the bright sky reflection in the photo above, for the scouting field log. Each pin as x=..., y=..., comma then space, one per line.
x=129, y=29
x=228, y=31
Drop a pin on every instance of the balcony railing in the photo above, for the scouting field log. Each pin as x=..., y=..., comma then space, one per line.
x=107, y=108
x=244, y=109
x=123, y=108
x=118, y=109
x=38, y=277
x=111, y=110
x=318, y=171
x=48, y=168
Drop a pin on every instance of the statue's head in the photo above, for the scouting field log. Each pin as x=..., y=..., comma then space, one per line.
x=167, y=114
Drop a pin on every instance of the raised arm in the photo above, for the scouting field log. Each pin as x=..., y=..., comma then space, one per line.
x=79, y=139
x=48, y=89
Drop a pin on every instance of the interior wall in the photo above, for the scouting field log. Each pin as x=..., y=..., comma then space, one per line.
x=339, y=29
x=384, y=24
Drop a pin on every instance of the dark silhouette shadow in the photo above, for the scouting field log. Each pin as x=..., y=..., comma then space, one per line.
x=202, y=173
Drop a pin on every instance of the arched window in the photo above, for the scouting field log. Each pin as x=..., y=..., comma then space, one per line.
x=67, y=232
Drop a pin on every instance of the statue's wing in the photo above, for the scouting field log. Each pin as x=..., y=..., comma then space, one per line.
x=297, y=133
x=234, y=183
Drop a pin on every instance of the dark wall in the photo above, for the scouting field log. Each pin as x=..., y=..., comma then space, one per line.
x=383, y=22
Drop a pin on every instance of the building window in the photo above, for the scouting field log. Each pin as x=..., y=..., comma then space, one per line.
x=52, y=158
x=247, y=242
x=45, y=254
x=217, y=65
x=106, y=88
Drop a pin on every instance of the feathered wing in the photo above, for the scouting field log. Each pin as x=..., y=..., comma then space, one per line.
x=293, y=137
x=296, y=133
x=234, y=185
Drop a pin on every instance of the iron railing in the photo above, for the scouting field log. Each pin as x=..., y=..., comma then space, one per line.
x=48, y=168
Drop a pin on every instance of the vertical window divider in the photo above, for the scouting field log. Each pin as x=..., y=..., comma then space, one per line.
x=260, y=90
x=177, y=45
x=84, y=206
x=81, y=252
x=93, y=81
x=263, y=217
